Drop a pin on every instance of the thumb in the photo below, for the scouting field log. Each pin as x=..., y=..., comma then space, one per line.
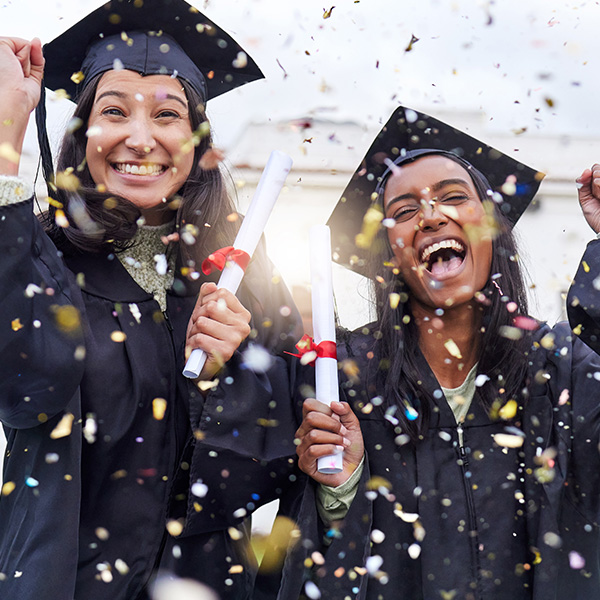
x=346, y=414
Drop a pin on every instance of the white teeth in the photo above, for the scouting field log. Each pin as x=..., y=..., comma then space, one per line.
x=451, y=244
x=138, y=169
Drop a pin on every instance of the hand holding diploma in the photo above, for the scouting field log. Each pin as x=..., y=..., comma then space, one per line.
x=237, y=257
x=330, y=440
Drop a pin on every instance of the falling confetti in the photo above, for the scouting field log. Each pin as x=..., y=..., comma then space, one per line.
x=64, y=427
x=211, y=158
x=159, y=407
x=413, y=41
x=452, y=348
x=16, y=324
x=327, y=13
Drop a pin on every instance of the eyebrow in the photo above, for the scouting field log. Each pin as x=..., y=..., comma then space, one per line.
x=436, y=187
x=124, y=96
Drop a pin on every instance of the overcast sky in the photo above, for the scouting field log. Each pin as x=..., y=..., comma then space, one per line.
x=525, y=63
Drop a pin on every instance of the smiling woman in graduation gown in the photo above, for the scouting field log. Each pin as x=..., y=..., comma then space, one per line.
x=96, y=412
x=471, y=462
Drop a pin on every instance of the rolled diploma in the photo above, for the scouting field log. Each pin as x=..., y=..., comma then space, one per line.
x=326, y=369
x=271, y=181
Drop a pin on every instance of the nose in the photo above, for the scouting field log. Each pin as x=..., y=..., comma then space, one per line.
x=139, y=136
x=432, y=218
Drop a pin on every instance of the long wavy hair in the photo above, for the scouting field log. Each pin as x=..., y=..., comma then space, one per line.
x=502, y=360
x=99, y=221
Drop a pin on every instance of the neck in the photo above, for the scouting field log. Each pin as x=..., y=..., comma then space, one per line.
x=450, y=343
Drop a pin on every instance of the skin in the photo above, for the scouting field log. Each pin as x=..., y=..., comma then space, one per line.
x=142, y=121
x=149, y=128
x=326, y=430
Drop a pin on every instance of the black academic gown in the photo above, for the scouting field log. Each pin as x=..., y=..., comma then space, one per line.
x=86, y=505
x=481, y=521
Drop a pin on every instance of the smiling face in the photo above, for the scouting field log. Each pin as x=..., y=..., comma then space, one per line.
x=439, y=235
x=139, y=134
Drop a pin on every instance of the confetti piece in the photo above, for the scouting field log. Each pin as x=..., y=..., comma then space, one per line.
x=94, y=131
x=67, y=318
x=526, y=323
x=211, y=158
x=31, y=482
x=585, y=266
x=90, y=429
x=547, y=341
x=377, y=536
x=414, y=551
x=576, y=561
x=121, y=566
x=274, y=547
x=413, y=41
x=8, y=488
x=508, y=441
x=256, y=359
x=312, y=591
x=175, y=527
x=370, y=226
x=66, y=180
x=394, y=300
x=118, y=336
x=16, y=324
x=64, y=427
x=240, y=61
x=564, y=397
x=102, y=533
x=511, y=333
x=327, y=13
x=411, y=413
x=159, y=406
x=452, y=348
x=509, y=410
x=199, y=489
x=373, y=564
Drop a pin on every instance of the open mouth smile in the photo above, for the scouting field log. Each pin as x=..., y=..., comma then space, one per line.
x=441, y=259
x=148, y=170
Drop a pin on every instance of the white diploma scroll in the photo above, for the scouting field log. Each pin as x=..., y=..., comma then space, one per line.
x=271, y=181
x=326, y=369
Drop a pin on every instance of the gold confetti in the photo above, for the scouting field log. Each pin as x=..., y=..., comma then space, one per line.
x=77, y=77
x=66, y=180
x=585, y=266
x=16, y=324
x=507, y=440
x=64, y=427
x=233, y=217
x=547, y=342
x=370, y=226
x=274, y=547
x=61, y=219
x=118, y=336
x=8, y=488
x=327, y=13
x=175, y=527
x=452, y=348
x=235, y=534
x=236, y=569
x=413, y=41
x=67, y=318
x=394, y=300
x=159, y=406
x=509, y=410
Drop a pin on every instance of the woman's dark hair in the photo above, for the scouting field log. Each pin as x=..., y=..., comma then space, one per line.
x=100, y=221
x=501, y=359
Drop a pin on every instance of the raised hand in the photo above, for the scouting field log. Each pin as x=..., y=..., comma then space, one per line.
x=21, y=72
x=218, y=325
x=325, y=431
x=589, y=196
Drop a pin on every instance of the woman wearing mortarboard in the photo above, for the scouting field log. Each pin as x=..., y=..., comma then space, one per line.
x=470, y=430
x=96, y=308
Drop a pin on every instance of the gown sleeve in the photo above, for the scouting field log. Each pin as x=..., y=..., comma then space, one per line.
x=41, y=344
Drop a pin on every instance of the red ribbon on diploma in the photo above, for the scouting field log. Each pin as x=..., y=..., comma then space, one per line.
x=219, y=258
x=326, y=349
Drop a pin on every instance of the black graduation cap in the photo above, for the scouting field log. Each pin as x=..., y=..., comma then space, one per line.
x=407, y=135
x=151, y=37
